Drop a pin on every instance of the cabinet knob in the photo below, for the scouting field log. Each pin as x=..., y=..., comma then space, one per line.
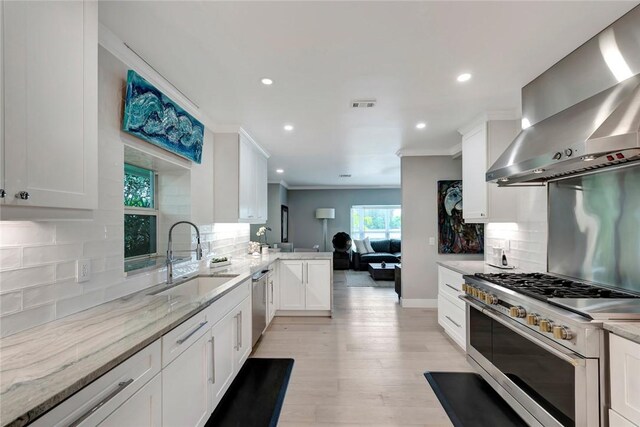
x=22, y=195
x=2, y=193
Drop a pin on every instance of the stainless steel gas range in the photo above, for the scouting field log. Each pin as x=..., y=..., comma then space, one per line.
x=538, y=340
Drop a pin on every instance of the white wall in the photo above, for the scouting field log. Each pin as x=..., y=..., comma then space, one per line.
x=37, y=259
x=420, y=222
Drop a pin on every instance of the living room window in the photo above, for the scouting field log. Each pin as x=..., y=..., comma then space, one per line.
x=376, y=222
x=140, y=212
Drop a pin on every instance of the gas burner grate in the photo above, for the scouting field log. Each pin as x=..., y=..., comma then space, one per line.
x=543, y=286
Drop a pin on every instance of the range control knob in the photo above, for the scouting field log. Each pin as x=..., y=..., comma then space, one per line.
x=517, y=312
x=533, y=319
x=562, y=333
x=481, y=295
x=546, y=325
x=568, y=152
x=464, y=288
x=490, y=299
x=557, y=156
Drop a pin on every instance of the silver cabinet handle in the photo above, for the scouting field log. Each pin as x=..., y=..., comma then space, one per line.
x=181, y=340
x=453, y=321
x=213, y=359
x=272, y=292
x=240, y=330
x=22, y=195
x=121, y=386
x=452, y=287
x=237, y=346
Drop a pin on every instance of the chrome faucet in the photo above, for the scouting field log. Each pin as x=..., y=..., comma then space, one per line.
x=170, y=259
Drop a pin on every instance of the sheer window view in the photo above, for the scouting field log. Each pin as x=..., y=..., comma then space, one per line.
x=140, y=214
x=376, y=222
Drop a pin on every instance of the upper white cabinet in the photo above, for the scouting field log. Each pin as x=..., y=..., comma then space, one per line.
x=240, y=182
x=50, y=91
x=482, y=144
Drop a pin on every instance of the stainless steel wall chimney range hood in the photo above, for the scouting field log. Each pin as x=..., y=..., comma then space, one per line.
x=584, y=111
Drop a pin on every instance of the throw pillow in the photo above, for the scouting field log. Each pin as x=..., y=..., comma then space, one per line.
x=367, y=244
x=360, y=247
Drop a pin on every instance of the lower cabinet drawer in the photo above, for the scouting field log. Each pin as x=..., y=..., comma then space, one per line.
x=216, y=311
x=96, y=401
x=617, y=420
x=452, y=319
x=179, y=339
x=450, y=278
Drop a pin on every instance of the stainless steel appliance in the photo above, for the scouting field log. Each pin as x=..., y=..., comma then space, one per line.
x=538, y=340
x=582, y=112
x=258, y=304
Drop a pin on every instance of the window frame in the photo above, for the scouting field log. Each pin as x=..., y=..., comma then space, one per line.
x=360, y=232
x=152, y=211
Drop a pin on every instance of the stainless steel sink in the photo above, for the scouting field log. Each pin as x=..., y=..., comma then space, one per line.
x=196, y=286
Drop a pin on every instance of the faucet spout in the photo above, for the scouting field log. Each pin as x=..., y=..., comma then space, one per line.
x=170, y=259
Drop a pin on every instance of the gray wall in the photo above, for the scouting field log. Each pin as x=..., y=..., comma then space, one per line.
x=276, y=197
x=305, y=230
x=420, y=222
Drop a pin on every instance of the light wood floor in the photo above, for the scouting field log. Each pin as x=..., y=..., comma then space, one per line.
x=364, y=366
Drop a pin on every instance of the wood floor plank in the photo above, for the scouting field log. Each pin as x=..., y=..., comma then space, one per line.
x=364, y=366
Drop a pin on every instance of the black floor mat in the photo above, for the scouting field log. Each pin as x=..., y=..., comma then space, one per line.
x=255, y=397
x=471, y=402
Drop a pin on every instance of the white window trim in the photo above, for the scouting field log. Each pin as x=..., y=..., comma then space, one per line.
x=155, y=211
x=359, y=234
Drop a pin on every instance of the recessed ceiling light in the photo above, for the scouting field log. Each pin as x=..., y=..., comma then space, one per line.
x=279, y=170
x=421, y=125
x=288, y=128
x=464, y=77
x=267, y=81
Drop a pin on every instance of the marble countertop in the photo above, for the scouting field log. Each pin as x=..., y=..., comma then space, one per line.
x=472, y=267
x=628, y=330
x=42, y=366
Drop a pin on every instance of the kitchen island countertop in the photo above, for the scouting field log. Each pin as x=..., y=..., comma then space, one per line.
x=629, y=330
x=42, y=366
x=472, y=267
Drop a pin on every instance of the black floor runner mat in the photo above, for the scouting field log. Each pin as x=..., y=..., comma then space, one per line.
x=255, y=397
x=471, y=402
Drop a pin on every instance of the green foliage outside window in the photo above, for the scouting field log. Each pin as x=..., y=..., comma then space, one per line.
x=139, y=235
x=139, y=229
x=139, y=186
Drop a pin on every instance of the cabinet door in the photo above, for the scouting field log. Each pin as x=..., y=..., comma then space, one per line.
x=271, y=306
x=318, y=285
x=292, y=292
x=261, y=187
x=143, y=409
x=474, y=165
x=51, y=103
x=243, y=333
x=247, y=186
x=625, y=377
x=223, y=343
x=186, y=399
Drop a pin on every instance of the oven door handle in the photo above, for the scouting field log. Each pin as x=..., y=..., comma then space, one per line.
x=566, y=355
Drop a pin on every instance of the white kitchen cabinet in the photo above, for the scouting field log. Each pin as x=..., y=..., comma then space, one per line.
x=244, y=342
x=482, y=144
x=317, y=281
x=50, y=90
x=186, y=391
x=617, y=420
x=95, y=402
x=223, y=342
x=451, y=309
x=143, y=409
x=240, y=179
x=202, y=201
x=305, y=285
x=625, y=378
x=272, y=297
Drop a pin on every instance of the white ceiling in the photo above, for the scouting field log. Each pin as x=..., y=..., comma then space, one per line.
x=323, y=54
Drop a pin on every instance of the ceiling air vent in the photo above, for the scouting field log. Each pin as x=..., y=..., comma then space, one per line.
x=363, y=103
x=345, y=175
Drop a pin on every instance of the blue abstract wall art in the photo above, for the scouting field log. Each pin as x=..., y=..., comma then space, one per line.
x=151, y=116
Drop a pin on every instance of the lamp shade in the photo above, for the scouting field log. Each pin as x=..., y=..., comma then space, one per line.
x=325, y=213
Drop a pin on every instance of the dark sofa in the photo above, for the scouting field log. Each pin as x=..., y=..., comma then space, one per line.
x=388, y=250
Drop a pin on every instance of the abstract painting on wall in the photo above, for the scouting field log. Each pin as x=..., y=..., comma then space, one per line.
x=151, y=116
x=454, y=236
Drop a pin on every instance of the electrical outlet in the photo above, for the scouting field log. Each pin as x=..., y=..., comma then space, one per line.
x=83, y=270
x=432, y=241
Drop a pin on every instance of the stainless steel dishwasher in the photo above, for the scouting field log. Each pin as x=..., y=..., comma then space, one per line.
x=259, y=304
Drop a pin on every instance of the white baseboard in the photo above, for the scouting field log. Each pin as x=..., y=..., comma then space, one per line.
x=419, y=303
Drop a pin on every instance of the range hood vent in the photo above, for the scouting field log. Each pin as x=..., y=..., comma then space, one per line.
x=600, y=128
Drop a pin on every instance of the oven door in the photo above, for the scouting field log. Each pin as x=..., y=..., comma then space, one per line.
x=555, y=386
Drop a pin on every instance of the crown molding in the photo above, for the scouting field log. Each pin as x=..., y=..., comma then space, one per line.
x=344, y=187
x=417, y=152
x=281, y=182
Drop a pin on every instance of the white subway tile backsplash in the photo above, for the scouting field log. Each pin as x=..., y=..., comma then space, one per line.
x=11, y=280
x=56, y=253
x=38, y=295
x=65, y=270
x=10, y=303
x=26, y=319
x=528, y=243
x=103, y=248
x=65, y=307
x=10, y=258
x=26, y=233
